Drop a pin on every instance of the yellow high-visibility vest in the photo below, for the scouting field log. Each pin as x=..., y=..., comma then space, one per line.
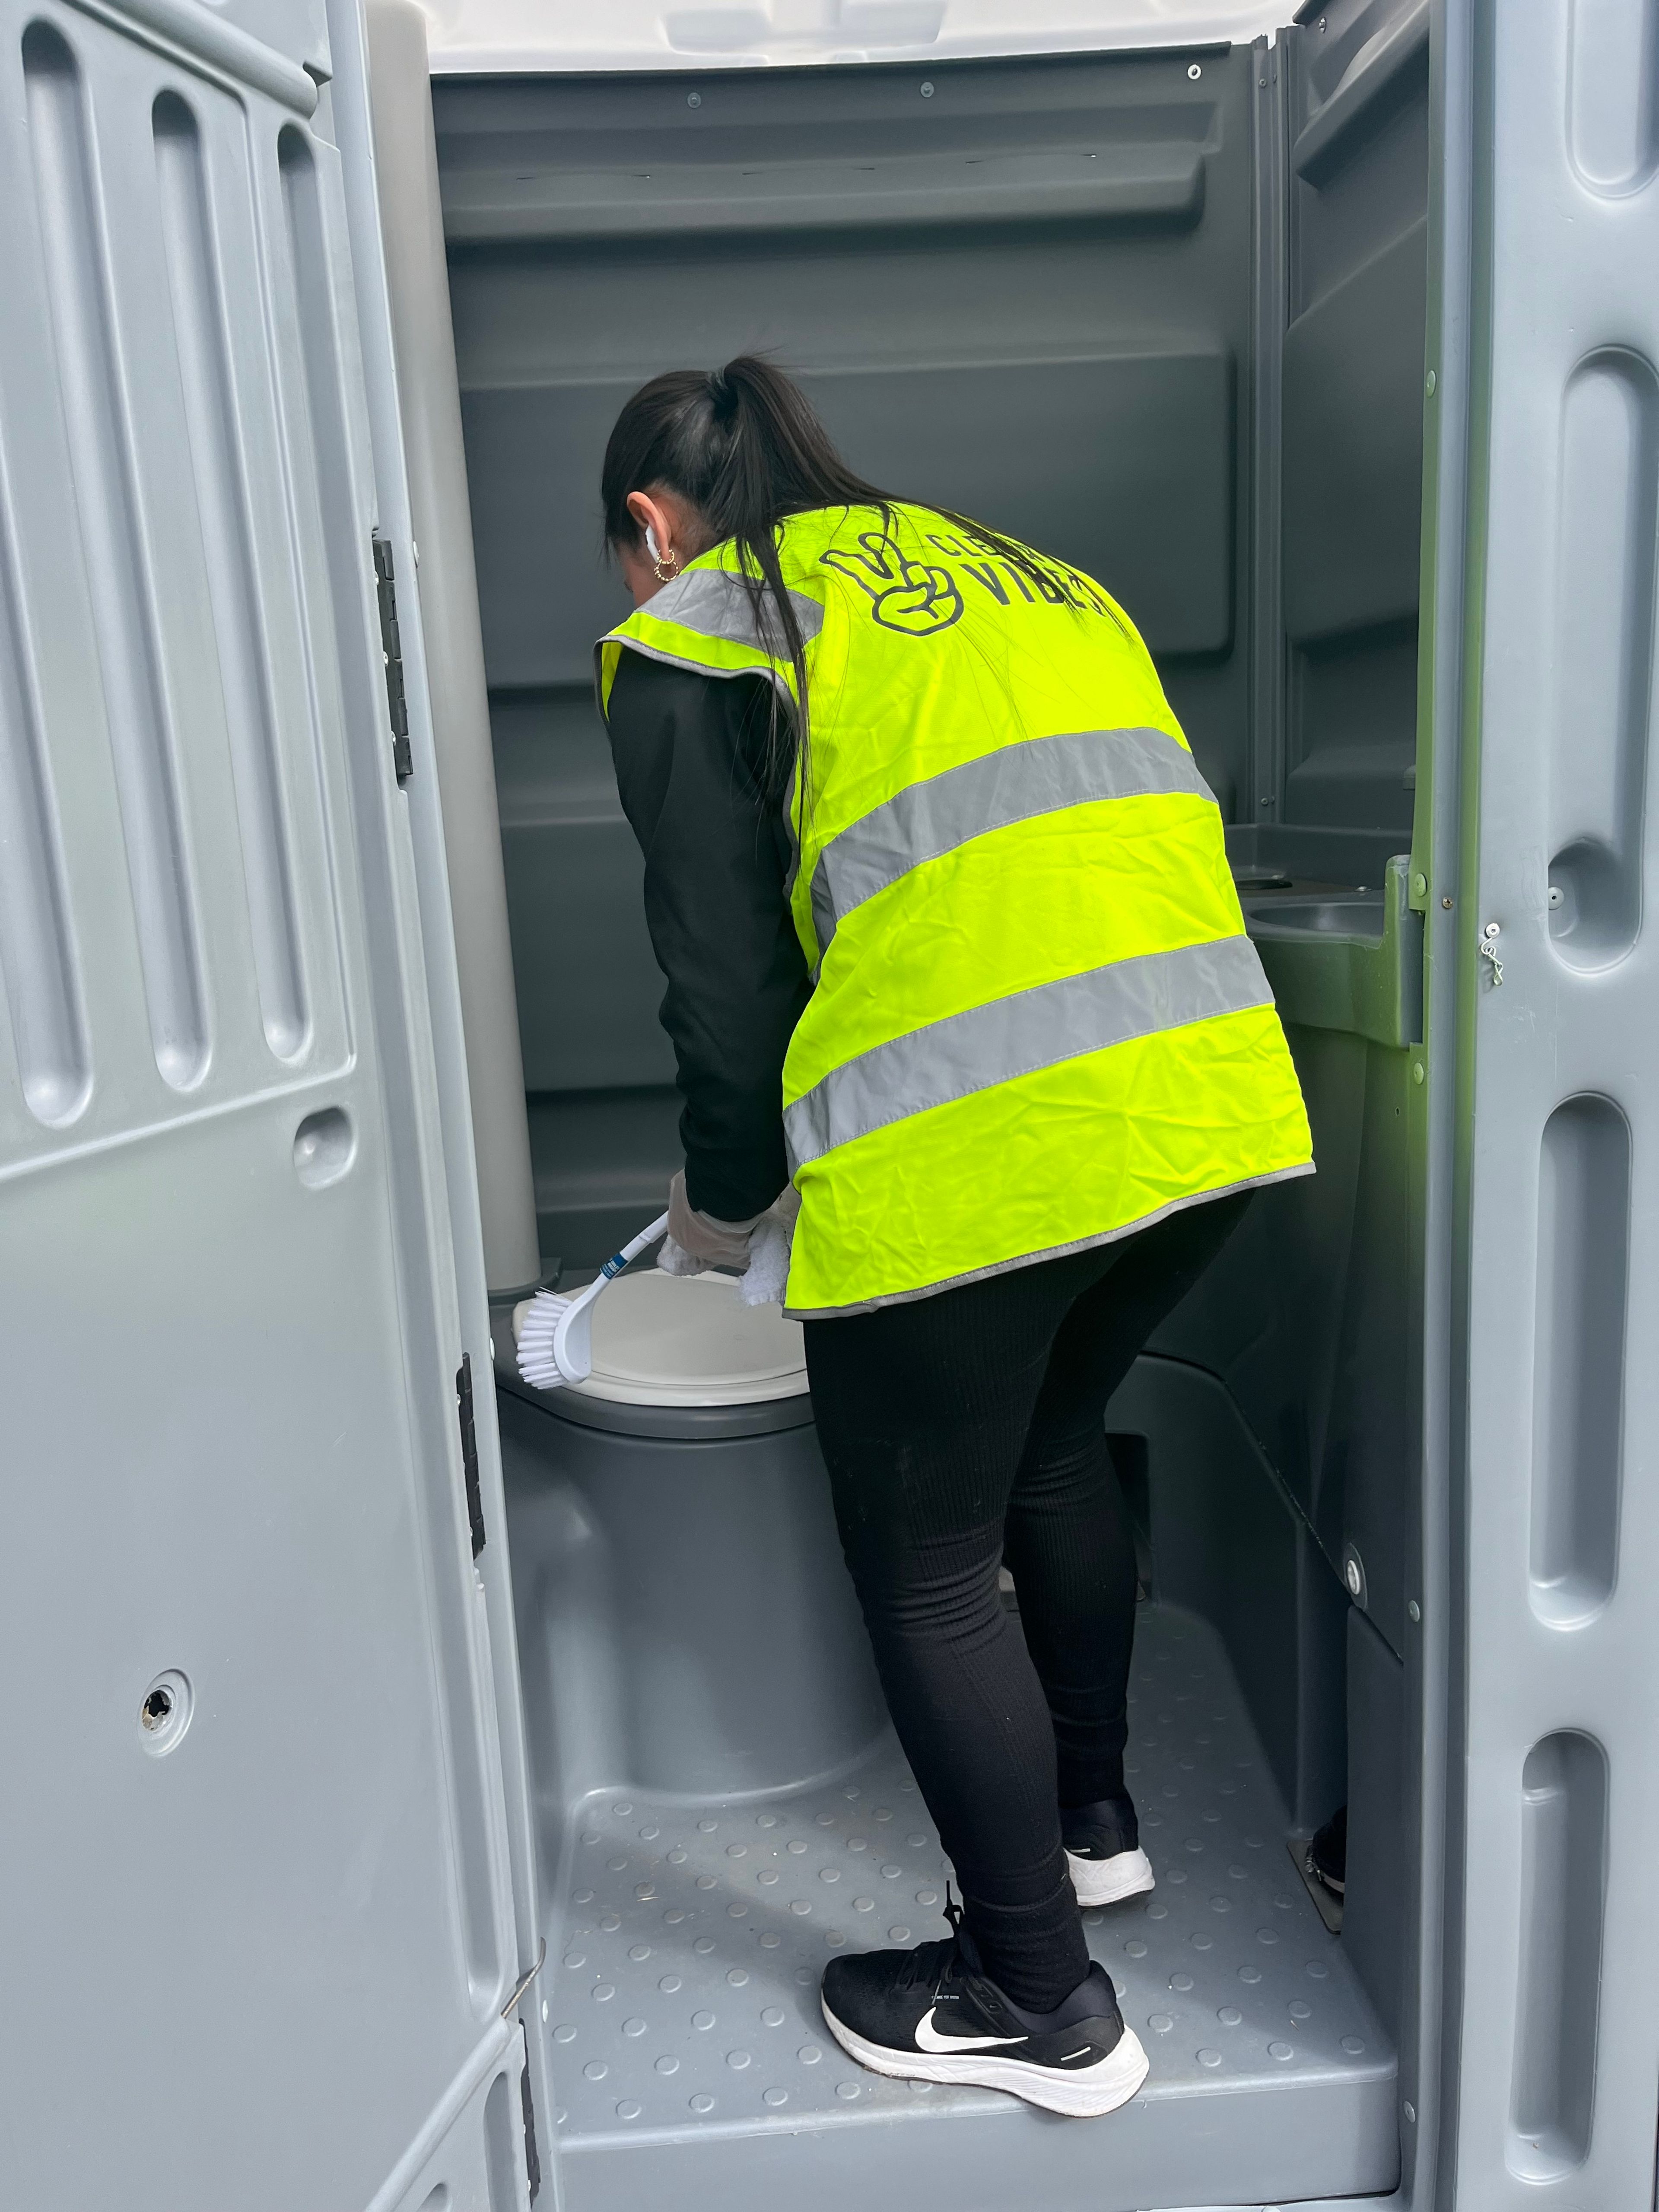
x=1037, y=1023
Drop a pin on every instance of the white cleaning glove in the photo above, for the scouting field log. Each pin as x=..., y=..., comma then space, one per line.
x=760, y=1246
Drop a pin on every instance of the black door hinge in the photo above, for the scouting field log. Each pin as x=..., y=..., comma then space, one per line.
x=469, y=1453
x=391, y=650
x=532, y=2164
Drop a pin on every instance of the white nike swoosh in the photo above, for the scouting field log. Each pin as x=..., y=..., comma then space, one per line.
x=929, y=2038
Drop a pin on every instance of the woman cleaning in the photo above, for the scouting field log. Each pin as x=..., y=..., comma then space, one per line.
x=955, y=963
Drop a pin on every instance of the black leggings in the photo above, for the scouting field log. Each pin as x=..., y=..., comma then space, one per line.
x=962, y=1430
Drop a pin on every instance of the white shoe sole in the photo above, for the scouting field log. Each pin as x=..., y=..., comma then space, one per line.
x=1092, y=2090
x=1108, y=1881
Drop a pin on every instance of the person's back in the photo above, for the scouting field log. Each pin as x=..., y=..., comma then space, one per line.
x=1013, y=895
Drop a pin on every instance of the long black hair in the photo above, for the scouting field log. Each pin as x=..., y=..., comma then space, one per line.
x=743, y=447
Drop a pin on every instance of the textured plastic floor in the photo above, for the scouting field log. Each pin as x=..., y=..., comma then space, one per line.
x=691, y=2053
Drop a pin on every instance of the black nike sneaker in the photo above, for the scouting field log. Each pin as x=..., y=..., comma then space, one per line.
x=1326, y=1857
x=932, y=2014
x=1103, y=1849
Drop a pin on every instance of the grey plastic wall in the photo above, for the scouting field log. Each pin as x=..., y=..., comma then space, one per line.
x=1550, y=1235
x=224, y=1125
x=442, y=574
x=1352, y=422
x=689, y=1627
x=1312, y=1316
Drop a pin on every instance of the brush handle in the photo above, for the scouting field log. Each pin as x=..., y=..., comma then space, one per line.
x=572, y=1342
x=632, y=1250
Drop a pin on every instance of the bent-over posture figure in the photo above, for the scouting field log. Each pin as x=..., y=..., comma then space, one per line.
x=955, y=961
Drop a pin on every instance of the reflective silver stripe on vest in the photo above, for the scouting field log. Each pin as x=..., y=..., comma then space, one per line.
x=1039, y=775
x=714, y=603
x=1014, y=1036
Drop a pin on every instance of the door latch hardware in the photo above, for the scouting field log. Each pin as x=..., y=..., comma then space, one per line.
x=525, y=1980
x=391, y=652
x=470, y=1452
x=1487, y=948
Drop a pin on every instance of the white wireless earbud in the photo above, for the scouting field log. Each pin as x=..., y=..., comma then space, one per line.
x=651, y=545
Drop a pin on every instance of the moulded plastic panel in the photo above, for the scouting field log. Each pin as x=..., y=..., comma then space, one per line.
x=708, y=1610
x=1609, y=466
x=1612, y=62
x=1353, y=365
x=1380, y=1877
x=1564, y=1853
x=1580, y=1350
x=509, y=35
x=260, y=1812
x=1559, y=2073
x=410, y=228
x=1352, y=418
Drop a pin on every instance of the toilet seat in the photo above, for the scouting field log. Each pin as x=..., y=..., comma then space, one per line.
x=688, y=1340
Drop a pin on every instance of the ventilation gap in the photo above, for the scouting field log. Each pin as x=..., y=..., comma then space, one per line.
x=1563, y=1848
x=1603, y=657
x=1612, y=130
x=37, y=945
x=227, y=531
x=1579, y=1358
x=68, y=196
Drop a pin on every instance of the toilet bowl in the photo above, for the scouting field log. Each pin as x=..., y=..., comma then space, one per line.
x=721, y=1609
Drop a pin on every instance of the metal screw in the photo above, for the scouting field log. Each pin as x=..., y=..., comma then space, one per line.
x=1353, y=1575
x=1195, y=72
x=1447, y=903
x=1557, y=897
x=927, y=87
x=164, y=1711
x=1415, y=1610
x=694, y=99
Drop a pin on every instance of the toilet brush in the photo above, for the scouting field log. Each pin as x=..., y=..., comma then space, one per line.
x=556, y=1334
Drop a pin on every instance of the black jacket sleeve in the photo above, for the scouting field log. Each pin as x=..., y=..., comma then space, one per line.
x=689, y=754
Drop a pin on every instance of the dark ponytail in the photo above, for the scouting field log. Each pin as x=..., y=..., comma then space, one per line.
x=743, y=446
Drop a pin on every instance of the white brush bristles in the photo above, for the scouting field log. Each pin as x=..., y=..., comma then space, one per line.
x=536, y=1362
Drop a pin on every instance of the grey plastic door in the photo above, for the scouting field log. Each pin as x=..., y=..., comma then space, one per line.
x=257, y=1862
x=1543, y=411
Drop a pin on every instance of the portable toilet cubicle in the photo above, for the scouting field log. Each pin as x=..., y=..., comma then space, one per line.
x=347, y=1865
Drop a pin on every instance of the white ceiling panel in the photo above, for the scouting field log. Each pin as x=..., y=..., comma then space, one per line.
x=501, y=35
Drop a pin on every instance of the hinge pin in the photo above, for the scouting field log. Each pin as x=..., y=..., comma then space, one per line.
x=391, y=652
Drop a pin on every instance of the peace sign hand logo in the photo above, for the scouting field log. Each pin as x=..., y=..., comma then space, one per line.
x=906, y=596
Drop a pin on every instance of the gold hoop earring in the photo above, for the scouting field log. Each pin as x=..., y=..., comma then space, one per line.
x=667, y=569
